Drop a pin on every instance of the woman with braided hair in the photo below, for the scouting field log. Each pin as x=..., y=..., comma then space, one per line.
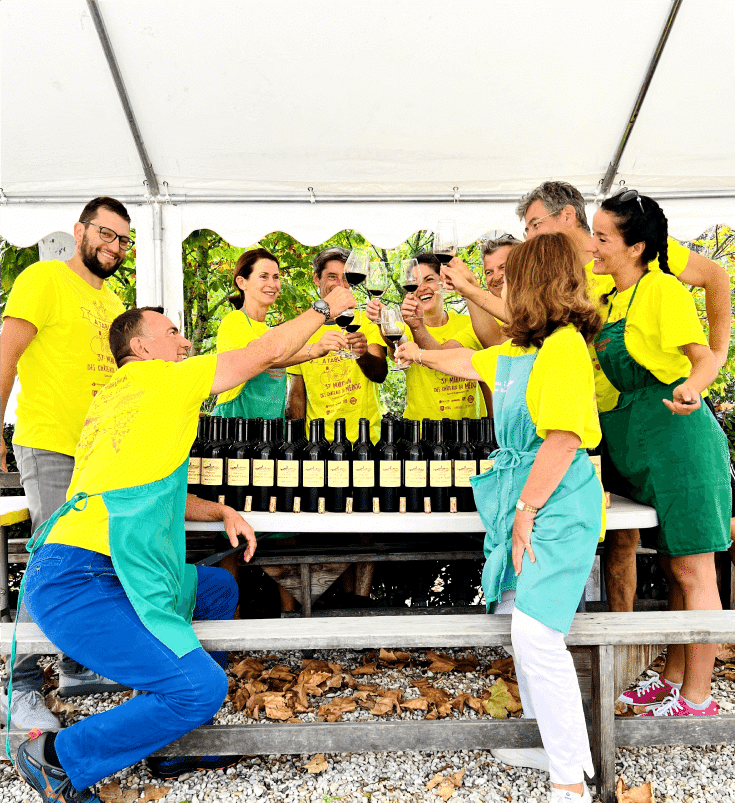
x=663, y=443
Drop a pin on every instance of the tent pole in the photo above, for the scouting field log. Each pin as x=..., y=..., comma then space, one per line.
x=123, y=95
x=612, y=169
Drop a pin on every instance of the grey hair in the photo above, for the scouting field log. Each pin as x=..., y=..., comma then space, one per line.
x=334, y=252
x=555, y=195
x=491, y=246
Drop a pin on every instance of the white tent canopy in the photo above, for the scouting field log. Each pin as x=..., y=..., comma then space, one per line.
x=384, y=116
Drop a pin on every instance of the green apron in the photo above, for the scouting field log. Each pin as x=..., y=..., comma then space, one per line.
x=148, y=550
x=677, y=464
x=263, y=396
x=566, y=529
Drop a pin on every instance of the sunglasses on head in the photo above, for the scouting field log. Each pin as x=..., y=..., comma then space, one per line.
x=629, y=195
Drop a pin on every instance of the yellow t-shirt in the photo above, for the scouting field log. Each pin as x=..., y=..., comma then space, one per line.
x=678, y=256
x=560, y=393
x=235, y=332
x=662, y=319
x=139, y=429
x=337, y=387
x=432, y=394
x=68, y=361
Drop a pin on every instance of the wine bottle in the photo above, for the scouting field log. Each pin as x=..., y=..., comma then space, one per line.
x=390, y=477
x=338, y=469
x=322, y=434
x=194, y=478
x=595, y=455
x=465, y=466
x=414, y=470
x=313, y=459
x=288, y=470
x=213, y=461
x=238, y=468
x=363, y=469
x=440, y=470
x=485, y=446
x=263, y=469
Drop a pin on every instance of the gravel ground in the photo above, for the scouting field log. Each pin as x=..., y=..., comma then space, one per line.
x=681, y=774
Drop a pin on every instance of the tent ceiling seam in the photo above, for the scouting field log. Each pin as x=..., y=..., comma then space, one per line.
x=612, y=169
x=122, y=92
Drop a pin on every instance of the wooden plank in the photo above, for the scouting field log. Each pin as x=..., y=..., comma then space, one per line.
x=479, y=630
x=349, y=737
x=10, y=479
x=361, y=557
x=630, y=661
x=641, y=732
x=603, y=720
x=290, y=577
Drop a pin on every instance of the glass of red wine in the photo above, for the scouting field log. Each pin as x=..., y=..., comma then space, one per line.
x=445, y=241
x=393, y=327
x=347, y=322
x=410, y=276
x=377, y=279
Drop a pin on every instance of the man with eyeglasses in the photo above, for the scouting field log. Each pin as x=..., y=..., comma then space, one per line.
x=55, y=335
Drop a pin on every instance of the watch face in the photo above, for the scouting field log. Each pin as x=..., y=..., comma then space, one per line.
x=321, y=306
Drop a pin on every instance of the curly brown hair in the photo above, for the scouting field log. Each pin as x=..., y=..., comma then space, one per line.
x=547, y=288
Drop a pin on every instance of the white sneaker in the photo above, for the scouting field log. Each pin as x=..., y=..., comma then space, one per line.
x=86, y=682
x=565, y=796
x=534, y=758
x=27, y=711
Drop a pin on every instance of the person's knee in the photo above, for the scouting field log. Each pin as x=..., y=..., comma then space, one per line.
x=207, y=687
x=230, y=594
x=621, y=544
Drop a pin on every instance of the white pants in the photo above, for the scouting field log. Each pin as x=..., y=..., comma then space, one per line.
x=549, y=689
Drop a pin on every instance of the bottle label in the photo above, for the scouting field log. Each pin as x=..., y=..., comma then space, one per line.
x=338, y=474
x=463, y=470
x=194, y=476
x=390, y=473
x=313, y=471
x=263, y=472
x=440, y=473
x=486, y=465
x=363, y=474
x=238, y=471
x=415, y=473
x=212, y=470
x=288, y=474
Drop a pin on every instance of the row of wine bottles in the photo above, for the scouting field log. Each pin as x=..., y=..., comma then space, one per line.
x=264, y=465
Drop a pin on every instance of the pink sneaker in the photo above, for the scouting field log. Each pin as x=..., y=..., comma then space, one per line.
x=676, y=706
x=649, y=692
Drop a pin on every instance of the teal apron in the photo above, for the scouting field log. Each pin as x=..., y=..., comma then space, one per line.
x=566, y=529
x=263, y=396
x=677, y=464
x=148, y=550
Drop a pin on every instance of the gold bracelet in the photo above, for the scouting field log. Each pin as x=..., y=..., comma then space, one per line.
x=418, y=357
x=308, y=351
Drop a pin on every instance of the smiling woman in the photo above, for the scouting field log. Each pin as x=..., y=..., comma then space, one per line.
x=258, y=285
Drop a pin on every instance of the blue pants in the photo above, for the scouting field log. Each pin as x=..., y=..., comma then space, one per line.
x=77, y=600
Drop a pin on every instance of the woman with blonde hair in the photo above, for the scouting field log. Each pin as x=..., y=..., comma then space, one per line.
x=541, y=502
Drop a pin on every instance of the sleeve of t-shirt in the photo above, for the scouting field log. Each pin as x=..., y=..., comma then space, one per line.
x=372, y=333
x=232, y=334
x=32, y=296
x=467, y=337
x=562, y=384
x=191, y=380
x=485, y=362
x=677, y=315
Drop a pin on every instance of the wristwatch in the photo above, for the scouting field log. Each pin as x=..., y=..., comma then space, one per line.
x=323, y=307
x=525, y=507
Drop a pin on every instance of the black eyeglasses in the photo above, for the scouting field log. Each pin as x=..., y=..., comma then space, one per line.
x=629, y=195
x=109, y=236
x=498, y=238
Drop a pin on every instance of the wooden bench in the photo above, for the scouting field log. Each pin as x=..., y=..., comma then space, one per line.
x=600, y=633
x=13, y=509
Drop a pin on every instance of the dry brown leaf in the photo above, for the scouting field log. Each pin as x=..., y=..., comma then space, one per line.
x=367, y=669
x=621, y=708
x=255, y=687
x=276, y=708
x=248, y=668
x=334, y=710
x=444, y=710
x=502, y=666
x=151, y=792
x=112, y=793
x=240, y=699
x=335, y=681
x=726, y=652
x=440, y=662
x=465, y=698
x=417, y=704
x=309, y=677
x=437, y=779
x=317, y=764
x=446, y=787
x=383, y=706
x=367, y=687
x=639, y=794
x=727, y=676
x=432, y=715
x=57, y=706
x=314, y=665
